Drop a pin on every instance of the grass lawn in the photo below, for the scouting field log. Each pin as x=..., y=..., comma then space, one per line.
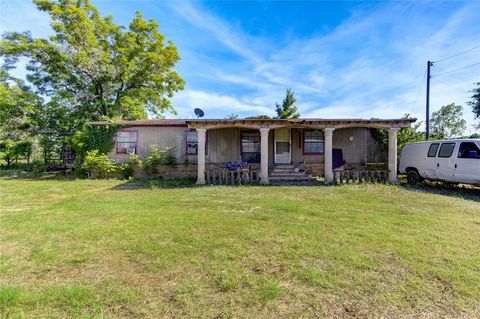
x=89, y=248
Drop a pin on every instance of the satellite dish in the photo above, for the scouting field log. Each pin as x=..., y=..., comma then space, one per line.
x=198, y=112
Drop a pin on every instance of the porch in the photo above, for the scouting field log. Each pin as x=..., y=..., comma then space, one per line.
x=318, y=147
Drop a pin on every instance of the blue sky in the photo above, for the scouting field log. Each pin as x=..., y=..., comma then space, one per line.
x=342, y=59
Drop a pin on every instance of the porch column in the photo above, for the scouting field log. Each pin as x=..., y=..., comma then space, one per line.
x=392, y=154
x=264, y=155
x=328, y=133
x=202, y=133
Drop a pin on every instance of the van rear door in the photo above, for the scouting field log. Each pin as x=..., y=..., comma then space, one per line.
x=445, y=161
x=467, y=163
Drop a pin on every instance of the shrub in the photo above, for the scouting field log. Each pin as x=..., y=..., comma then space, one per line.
x=12, y=151
x=99, y=164
x=127, y=168
x=156, y=157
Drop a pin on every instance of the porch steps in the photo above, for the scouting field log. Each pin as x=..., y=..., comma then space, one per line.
x=287, y=173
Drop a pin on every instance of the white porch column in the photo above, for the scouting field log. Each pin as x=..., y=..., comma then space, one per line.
x=328, y=133
x=202, y=133
x=264, y=155
x=392, y=154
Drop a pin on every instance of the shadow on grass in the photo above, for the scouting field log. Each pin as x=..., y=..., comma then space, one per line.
x=155, y=183
x=35, y=176
x=459, y=191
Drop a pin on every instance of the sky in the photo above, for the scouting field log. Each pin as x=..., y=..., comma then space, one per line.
x=342, y=59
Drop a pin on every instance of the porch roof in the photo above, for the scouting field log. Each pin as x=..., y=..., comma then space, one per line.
x=269, y=123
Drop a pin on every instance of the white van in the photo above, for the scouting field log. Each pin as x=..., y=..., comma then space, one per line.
x=453, y=161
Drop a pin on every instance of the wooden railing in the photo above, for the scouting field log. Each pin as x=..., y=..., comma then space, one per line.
x=360, y=176
x=224, y=176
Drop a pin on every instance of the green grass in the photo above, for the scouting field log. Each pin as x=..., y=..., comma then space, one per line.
x=100, y=248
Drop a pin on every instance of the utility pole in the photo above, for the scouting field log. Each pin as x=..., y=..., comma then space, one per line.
x=427, y=121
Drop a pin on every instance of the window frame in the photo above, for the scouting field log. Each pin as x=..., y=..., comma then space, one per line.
x=116, y=141
x=440, y=149
x=186, y=143
x=304, y=152
x=436, y=151
x=242, y=132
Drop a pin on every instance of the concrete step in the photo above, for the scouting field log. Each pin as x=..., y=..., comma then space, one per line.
x=276, y=173
x=290, y=178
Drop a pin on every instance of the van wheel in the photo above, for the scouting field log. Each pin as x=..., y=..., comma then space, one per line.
x=413, y=177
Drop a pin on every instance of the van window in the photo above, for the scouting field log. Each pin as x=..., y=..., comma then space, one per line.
x=468, y=150
x=432, y=151
x=446, y=149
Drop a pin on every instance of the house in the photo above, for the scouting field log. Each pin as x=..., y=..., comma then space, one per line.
x=274, y=148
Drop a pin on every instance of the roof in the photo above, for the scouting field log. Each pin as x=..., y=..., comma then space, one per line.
x=403, y=122
x=156, y=122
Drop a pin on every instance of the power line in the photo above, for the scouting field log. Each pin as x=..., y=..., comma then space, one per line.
x=455, y=70
x=418, y=93
x=457, y=54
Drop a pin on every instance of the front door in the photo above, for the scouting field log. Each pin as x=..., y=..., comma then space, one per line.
x=467, y=164
x=282, y=146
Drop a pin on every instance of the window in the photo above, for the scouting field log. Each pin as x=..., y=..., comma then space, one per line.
x=250, y=144
x=432, y=151
x=468, y=150
x=126, y=142
x=192, y=143
x=312, y=142
x=446, y=149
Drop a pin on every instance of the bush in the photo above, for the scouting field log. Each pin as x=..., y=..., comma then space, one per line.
x=12, y=151
x=99, y=164
x=156, y=157
x=127, y=168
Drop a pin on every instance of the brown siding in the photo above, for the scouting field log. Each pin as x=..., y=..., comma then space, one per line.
x=362, y=149
x=165, y=136
x=223, y=145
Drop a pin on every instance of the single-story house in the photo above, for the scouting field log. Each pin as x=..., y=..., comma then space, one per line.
x=275, y=148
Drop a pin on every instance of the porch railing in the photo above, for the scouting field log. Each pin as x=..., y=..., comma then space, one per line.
x=360, y=176
x=225, y=177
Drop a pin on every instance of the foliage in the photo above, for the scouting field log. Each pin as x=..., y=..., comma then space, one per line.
x=287, y=110
x=18, y=108
x=405, y=136
x=158, y=156
x=259, y=117
x=231, y=116
x=475, y=103
x=448, y=122
x=92, y=68
x=93, y=137
x=127, y=168
x=99, y=164
x=12, y=150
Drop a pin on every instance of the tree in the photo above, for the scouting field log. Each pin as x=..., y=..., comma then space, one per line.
x=259, y=117
x=232, y=116
x=94, y=69
x=287, y=110
x=405, y=136
x=18, y=108
x=475, y=103
x=448, y=122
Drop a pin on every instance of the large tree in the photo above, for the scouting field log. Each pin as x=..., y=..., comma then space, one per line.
x=287, y=110
x=475, y=103
x=92, y=68
x=448, y=122
x=19, y=107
